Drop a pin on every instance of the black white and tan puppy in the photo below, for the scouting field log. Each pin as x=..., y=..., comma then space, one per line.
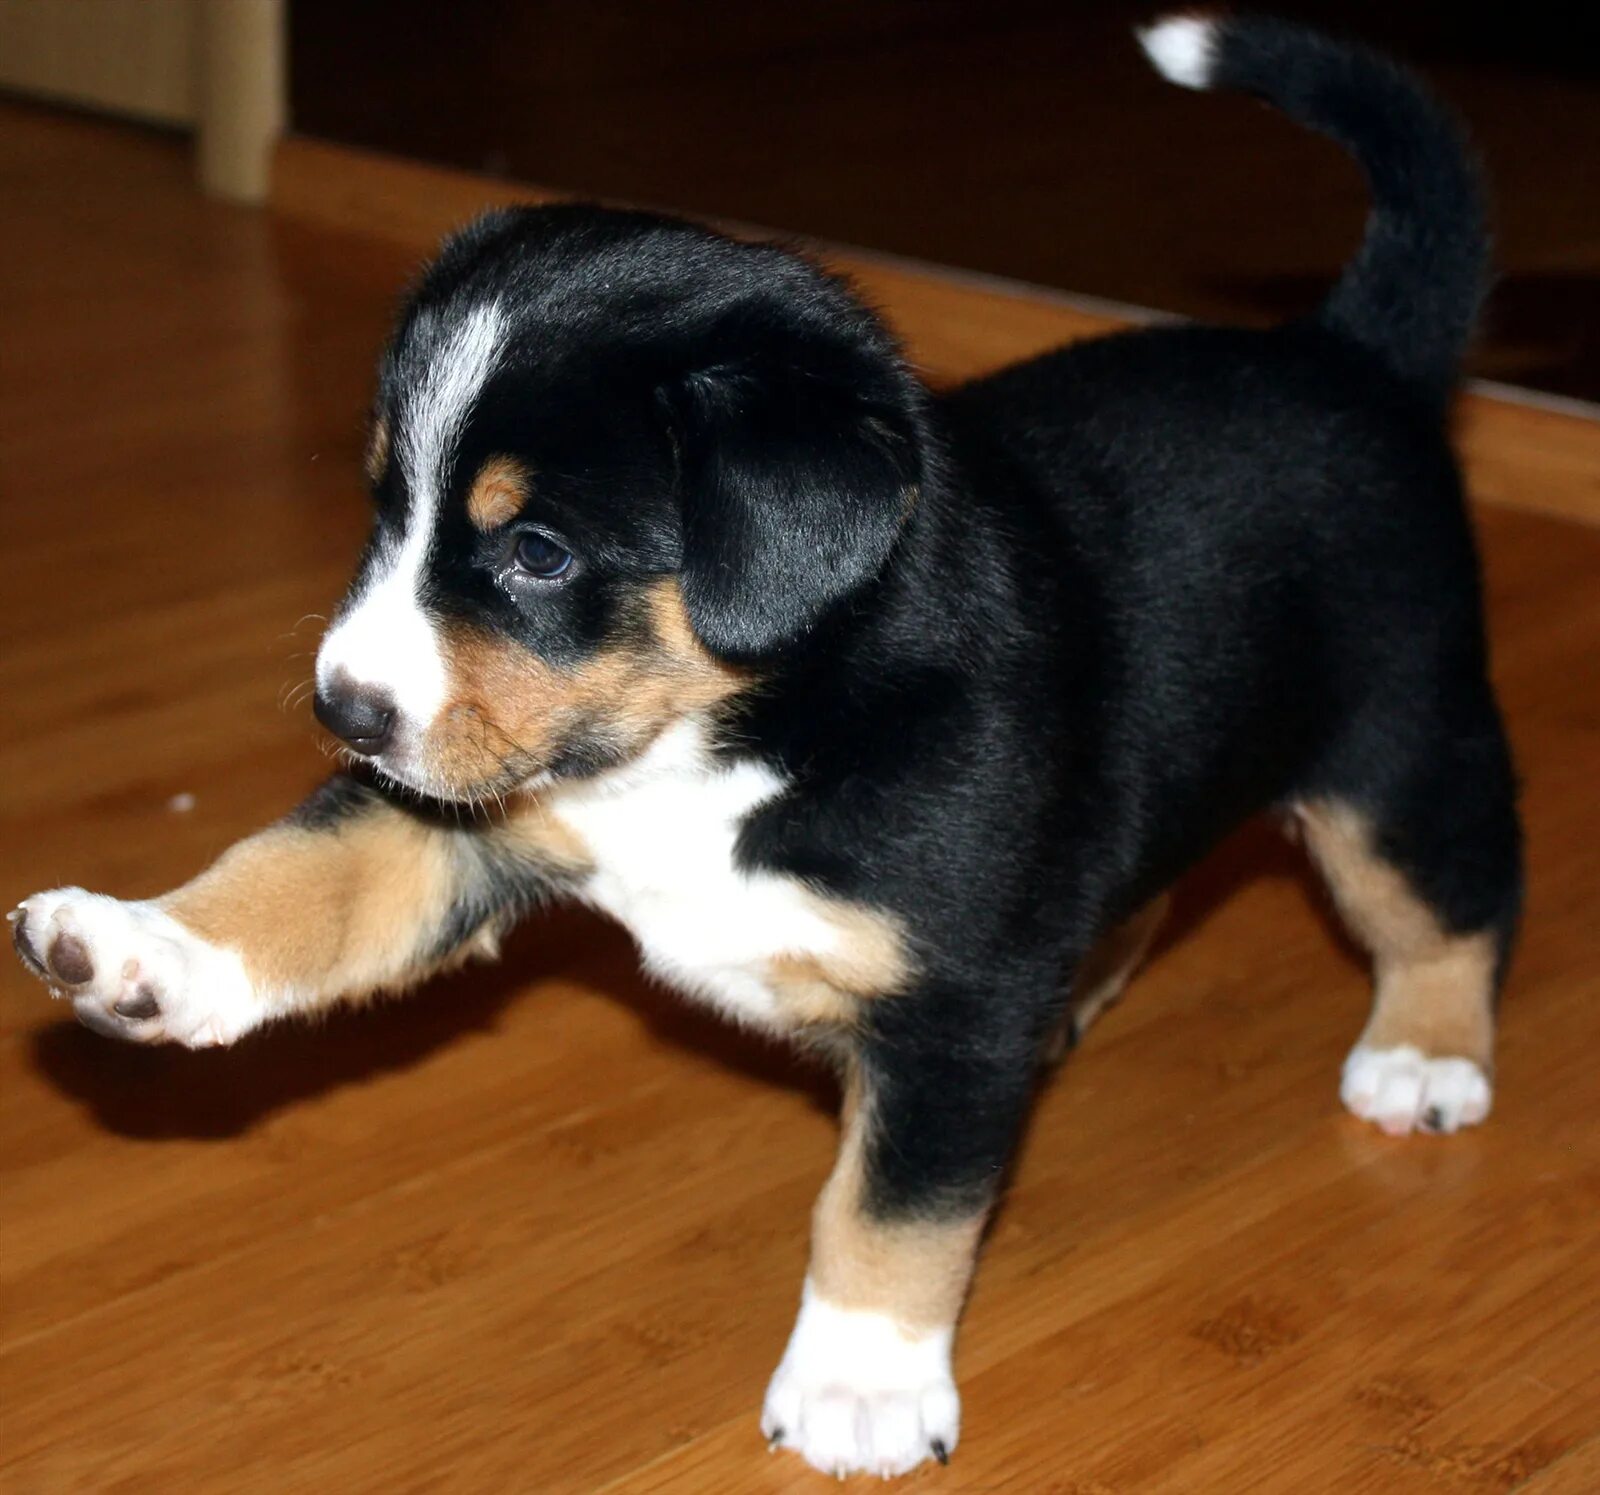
x=883, y=719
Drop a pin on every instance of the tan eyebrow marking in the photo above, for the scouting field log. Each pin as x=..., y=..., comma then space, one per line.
x=498, y=493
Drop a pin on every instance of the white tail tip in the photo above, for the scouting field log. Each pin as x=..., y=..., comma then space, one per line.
x=1183, y=49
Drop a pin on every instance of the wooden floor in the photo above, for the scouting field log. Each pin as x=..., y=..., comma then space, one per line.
x=542, y=1229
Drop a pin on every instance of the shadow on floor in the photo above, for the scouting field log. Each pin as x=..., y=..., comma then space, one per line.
x=169, y=1092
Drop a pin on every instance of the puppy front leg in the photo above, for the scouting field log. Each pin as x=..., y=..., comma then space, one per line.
x=350, y=894
x=866, y=1383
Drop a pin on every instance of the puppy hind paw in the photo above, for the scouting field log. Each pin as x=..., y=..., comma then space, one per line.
x=1402, y=1090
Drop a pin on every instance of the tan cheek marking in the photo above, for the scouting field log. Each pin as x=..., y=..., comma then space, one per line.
x=498, y=493
x=346, y=909
x=507, y=706
x=504, y=706
x=685, y=676
x=377, y=454
x=871, y=961
x=1435, y=989
x=916, y=1272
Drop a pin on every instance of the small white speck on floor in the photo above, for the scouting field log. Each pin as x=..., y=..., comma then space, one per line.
x=181, y=804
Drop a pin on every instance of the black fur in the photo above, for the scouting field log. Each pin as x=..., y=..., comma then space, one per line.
x=801, y=469
x=343, y=797
x=1412, y=292
x=1028, y=649
x=494, y=889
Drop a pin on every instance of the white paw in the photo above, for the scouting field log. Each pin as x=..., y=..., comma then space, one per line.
x=1403, y=1090
x=134, y=972
x=856, y=1395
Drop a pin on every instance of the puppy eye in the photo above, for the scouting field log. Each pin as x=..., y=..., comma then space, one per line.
x=538, y=555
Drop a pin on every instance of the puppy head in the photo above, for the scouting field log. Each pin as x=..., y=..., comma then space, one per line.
x=623, y=468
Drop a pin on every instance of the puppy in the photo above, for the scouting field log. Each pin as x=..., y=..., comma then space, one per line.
x=882, y=719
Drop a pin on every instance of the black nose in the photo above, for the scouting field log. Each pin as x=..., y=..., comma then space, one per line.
x=362, y=716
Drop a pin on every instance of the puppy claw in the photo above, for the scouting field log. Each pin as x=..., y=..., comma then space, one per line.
x=28, y=955
x=856, y=1395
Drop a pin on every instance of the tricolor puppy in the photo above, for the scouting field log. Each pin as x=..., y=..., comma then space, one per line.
x=883, y=719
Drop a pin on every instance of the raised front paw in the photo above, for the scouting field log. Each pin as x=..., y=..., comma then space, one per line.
x=855, y=1394
x=132, y=971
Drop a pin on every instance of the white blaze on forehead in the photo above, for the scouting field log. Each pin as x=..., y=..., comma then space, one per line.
x=385, y=640
x=432, y=414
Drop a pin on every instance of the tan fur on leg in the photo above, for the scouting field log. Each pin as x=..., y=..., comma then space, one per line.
x=355, y=894
x=338, y=911
x=1435, y=989
x=1104, y=976
x=328, y=912
x=914, y=1271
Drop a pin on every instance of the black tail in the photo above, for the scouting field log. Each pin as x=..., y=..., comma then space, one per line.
x=1412, y=292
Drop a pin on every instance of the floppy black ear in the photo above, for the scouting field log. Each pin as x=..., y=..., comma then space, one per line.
x=794, y=490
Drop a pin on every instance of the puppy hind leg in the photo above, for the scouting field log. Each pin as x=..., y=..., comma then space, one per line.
x=1424, y=1062
x=1103, y=977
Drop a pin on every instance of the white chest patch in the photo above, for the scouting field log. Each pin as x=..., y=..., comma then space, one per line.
x=661, y=832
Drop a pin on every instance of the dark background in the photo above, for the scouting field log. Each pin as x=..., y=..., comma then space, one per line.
x=1019, y=137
